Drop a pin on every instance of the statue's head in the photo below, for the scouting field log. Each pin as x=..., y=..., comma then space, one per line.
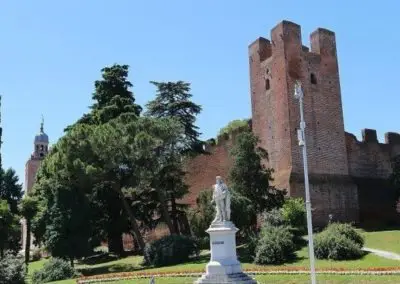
x=219, y=180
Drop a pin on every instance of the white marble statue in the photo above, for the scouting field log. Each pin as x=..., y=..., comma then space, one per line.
x=222, y=199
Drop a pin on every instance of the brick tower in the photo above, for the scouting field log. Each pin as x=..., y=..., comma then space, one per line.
x=274, y=67
x=40, y=150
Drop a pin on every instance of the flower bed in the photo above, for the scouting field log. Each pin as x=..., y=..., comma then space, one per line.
x=289, y=270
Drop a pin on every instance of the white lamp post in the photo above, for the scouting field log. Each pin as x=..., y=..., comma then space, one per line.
x=298, y=94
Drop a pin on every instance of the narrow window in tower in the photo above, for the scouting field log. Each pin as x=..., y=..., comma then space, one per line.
x=313, y=79
x=267, y=86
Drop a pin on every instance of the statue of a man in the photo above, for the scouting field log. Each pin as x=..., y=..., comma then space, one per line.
x=221, y=197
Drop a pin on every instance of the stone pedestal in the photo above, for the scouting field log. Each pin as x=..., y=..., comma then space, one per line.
x=224, y=266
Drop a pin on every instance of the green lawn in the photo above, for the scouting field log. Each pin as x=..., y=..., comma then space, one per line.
x=287, y=279
x=384, y=240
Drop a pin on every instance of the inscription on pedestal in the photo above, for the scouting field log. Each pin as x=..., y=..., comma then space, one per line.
x=218, y=243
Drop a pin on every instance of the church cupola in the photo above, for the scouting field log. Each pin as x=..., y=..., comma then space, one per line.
x=41, y=143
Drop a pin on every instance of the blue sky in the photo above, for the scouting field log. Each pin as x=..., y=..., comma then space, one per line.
x=52, y=51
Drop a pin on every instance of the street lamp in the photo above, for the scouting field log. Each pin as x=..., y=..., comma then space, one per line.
x=298, y=94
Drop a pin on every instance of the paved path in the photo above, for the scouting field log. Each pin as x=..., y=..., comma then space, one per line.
x=383, y=253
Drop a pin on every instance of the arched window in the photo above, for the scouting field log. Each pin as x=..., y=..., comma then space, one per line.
x=267, y=85
x=313, y=79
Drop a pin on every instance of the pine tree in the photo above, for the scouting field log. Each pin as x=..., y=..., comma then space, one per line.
x=173, y=100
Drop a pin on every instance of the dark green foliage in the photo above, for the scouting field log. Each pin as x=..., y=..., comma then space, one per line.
x=28, y=208
x=36, y=255
x=336, y=247
x=347, y=231
x=243, y=215
x=274, y=217
x=275, y=245
x=339, y=242
x=295, y=215
x=11, y=189
x=12, y=269
x=250, y=183
x=173, y=100
x=202, y=215
x=250, y=178
x=112, y=97
x=54, y=270
x=68, y=229
x=169, y=250
x=10, y=229
x=234, y=125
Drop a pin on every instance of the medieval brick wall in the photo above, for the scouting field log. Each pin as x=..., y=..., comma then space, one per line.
x=340, y=167
x=370, y=167
x=202, y=170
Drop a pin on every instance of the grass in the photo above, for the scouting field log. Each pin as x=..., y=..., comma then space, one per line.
x=132, y=263
x=384, y=240
x=287, y=279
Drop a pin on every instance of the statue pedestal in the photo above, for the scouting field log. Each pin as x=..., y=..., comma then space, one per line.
x=224, y=266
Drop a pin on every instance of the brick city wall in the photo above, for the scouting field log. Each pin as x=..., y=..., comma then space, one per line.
x=370, y=167
x=202, y=169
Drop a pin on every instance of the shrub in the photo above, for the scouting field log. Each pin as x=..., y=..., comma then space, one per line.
x=295, y=215
x=274, y=217
x=201, y=217
x=54, y=270
x=12, y=269
x=346, y=230
x=36, y=255
x=203, y=242
x=171, y=249
x=336, y=247
x=275, y=245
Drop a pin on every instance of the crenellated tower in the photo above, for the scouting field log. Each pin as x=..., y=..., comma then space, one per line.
x=274, y=66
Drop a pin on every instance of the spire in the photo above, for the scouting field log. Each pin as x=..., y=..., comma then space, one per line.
x=41, y=125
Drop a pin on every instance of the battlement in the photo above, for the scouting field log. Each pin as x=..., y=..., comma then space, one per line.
x=288, y=34
x=226, y=138
x=370, y=136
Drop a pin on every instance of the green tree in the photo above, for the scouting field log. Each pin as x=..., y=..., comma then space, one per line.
x=250, y=179
x=9, y=228
x=62, y=191
x=133, y=154
x=173, y=100
x=28, y=209
x=202, y=215
x=234, y=125
x=112, y=98
x=11, y=189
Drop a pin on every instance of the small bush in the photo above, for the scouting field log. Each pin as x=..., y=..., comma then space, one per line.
x=171, y=249
x=36, y=255
x=274, y=217
x=203, y=243
x=12, y=269
x=54, y=270
x=336, y=247
x=346, y=230
x=275, y=245
x=295, y=215
x=251, y=244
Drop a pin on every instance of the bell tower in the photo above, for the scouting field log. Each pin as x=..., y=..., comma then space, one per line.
x=40, y=150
